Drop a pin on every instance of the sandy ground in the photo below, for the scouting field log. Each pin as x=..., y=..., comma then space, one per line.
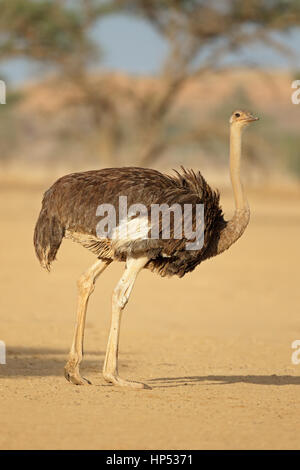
x=215, y=346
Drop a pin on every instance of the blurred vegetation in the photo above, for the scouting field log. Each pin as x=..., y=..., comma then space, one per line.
x=200, y=35
x=288, y=144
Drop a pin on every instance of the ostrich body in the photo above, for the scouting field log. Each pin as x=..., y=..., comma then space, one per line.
x=69, y=209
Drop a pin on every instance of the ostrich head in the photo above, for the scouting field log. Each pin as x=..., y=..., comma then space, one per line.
x=241, y=119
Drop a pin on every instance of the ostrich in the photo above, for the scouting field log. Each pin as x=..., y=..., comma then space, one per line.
x=69, y=209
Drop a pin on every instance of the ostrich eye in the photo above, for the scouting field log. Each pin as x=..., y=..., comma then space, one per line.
x=237, y=114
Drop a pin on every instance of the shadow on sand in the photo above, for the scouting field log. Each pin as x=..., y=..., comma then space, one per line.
x=43, y=362
x=225, y=380
x=25, y=362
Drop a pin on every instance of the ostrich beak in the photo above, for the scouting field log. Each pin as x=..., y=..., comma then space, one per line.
x=252, y=118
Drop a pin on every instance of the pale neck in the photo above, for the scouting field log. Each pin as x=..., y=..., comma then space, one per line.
x=235, y=163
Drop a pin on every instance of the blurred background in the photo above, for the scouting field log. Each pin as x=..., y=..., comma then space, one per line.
x=95, y=83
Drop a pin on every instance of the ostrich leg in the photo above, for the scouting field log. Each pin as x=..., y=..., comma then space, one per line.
x=86, y=285
x=119, y=300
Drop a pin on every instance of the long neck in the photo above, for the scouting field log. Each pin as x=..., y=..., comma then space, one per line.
x=236, y=226
x=235, y=168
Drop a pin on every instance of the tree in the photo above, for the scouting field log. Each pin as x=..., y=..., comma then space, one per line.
x=56, y=34
x=201, y=34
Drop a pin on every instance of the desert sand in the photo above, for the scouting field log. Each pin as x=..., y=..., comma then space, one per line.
x=214, y=346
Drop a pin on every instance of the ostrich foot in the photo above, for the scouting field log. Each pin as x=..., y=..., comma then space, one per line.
x=114, y=379
x=72, y=375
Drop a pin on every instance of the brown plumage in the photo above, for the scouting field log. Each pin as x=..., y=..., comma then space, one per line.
x=69, y=209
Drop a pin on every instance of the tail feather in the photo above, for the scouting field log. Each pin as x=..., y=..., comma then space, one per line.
x=48, y=235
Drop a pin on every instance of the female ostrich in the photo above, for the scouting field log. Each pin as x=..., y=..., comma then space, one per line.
x=69, y=209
